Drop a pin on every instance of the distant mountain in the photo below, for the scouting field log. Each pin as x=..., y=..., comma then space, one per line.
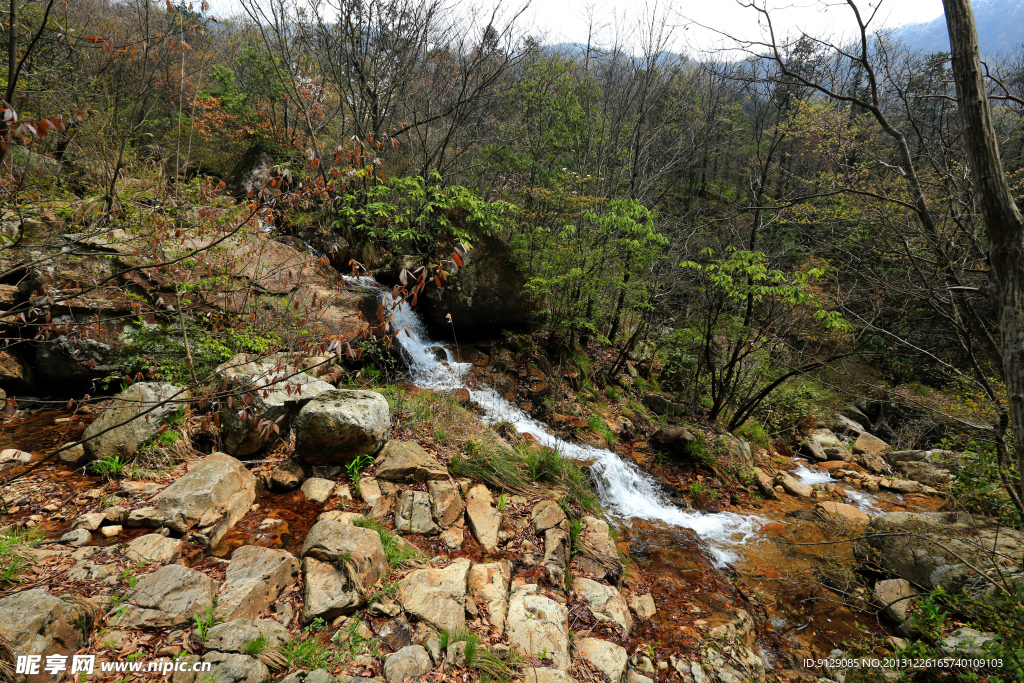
x=1000, y=29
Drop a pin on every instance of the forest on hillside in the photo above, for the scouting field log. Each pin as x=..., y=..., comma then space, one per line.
x=793, y=213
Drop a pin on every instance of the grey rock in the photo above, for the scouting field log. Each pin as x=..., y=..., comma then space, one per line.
x=107, y=437
x=537, y=623
x=255, y=578
x=154, y=548
x=235, y=635
x=643, y=605
x=437, y=596
x=965, y=642
x=329, y=592
x=278, y=388
x=894, y=598
x=340, y=425
x=75, y=455
x=792, y=486
x=413, y=514
x=168, y=598
x=445, y=502
x=225, y=667
x=483, y=519
x=358, y=550
x=556, y=555
x=547, y=514
x=287, y=476
x=411, y=661
x=77, y=537
x=318, y=490
x=406, y=462
x=33, y=622
x=489, y=585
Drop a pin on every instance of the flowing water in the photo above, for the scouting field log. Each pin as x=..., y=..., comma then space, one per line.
x=626, y=492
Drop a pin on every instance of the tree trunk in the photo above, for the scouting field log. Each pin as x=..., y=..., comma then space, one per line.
x=1003, y=222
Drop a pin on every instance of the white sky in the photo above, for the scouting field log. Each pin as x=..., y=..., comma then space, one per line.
x=566, y=20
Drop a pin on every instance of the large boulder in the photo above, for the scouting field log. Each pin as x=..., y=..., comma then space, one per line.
x=139, y=408
x=210, y=498
x=340, y=425
x=674, y=441
x=894, y=597
x=169, y=598
x=33, y=622
x=437, y=596
x=275, y=389
x=487, y=293
x=225, y=667
x=537, y=624
x=939, y=549
x=340, y=565
x=255, y=578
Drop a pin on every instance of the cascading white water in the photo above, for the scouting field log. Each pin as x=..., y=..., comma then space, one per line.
x=812, y=477
x=625, y=491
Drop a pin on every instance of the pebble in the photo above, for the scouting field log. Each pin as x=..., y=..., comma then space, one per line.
x=111, y=531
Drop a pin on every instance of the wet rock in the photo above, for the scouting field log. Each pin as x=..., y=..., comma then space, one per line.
x=437, y=596
x=168, y=598
x=134, y=406
x=358, y=550
x=792, y=486
x=673, y=441
x=317, y=490
x=406, y=462
x=236, y=634
x=278, y=388
x=556, y=555
x=838, y=453
x=287, y=476
x=154, y=548
x=813, y=450
x=607, y=657
x=340, y=425
x=413, y=514
x=225, y=667
x=548, y=514
x=211, y=497
x=255, y=578
x=489, y=585
x=77, y=538
x=895, y=598
x=868, y=443
x=965, y=642
x=934, y=549
x=842, y=512
x=410, y=662
x=483, y=519
x=33, y=622
x=111, y=531
x=536, y=624
x=643, y=605
x=605, y=602
x=445, y=502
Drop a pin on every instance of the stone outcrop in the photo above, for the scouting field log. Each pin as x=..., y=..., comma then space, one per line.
x=605, y=603
x=489, y=586
x=605, y=656
x=340, y=425
x=413, y=513
x=483, y=519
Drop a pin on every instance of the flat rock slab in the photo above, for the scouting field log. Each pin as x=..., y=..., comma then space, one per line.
x=154, y=548
x=489, y=585
x=410, y=662
x=225, y=667
x=605, y=656
x=405, y=462
x=318, y=490
x=484, y=520
x=235, y=635
x=605, y=602
x=538, y=624
x=843, y=512
x=358, y=550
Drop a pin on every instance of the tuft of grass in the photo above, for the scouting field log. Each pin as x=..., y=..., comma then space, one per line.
x=596, y=425
x=203, y=623
x=13, y=543
x=493, y=464
x=398, y=552
x=308, y=654
x=754, y=433
x=256, y=646
x=110, y=467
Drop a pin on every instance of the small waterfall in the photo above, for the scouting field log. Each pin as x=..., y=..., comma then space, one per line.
x=625, y=491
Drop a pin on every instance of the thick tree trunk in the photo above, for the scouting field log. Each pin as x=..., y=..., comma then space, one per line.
x=1003, y=222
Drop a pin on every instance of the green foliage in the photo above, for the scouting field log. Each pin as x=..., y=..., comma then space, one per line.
x=256, y=646
x=418, y=211
x=308, y=653
x=753, y=432
x=203, y=623
x=597, y=425
x=360, y=463
x=110, y=467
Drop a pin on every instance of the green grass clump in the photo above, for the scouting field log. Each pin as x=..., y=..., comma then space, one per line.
x=13, y=543
x=398, y=552
x=597, y=426
x=754, y=433
x=257, y=645
x=493, y=464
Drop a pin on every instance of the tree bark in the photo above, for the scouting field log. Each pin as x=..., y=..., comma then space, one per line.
x=1004, y=225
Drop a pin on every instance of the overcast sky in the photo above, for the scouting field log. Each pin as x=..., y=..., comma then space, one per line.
x=567, y=20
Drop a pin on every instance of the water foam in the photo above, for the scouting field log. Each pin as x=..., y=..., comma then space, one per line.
x=625, y=490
